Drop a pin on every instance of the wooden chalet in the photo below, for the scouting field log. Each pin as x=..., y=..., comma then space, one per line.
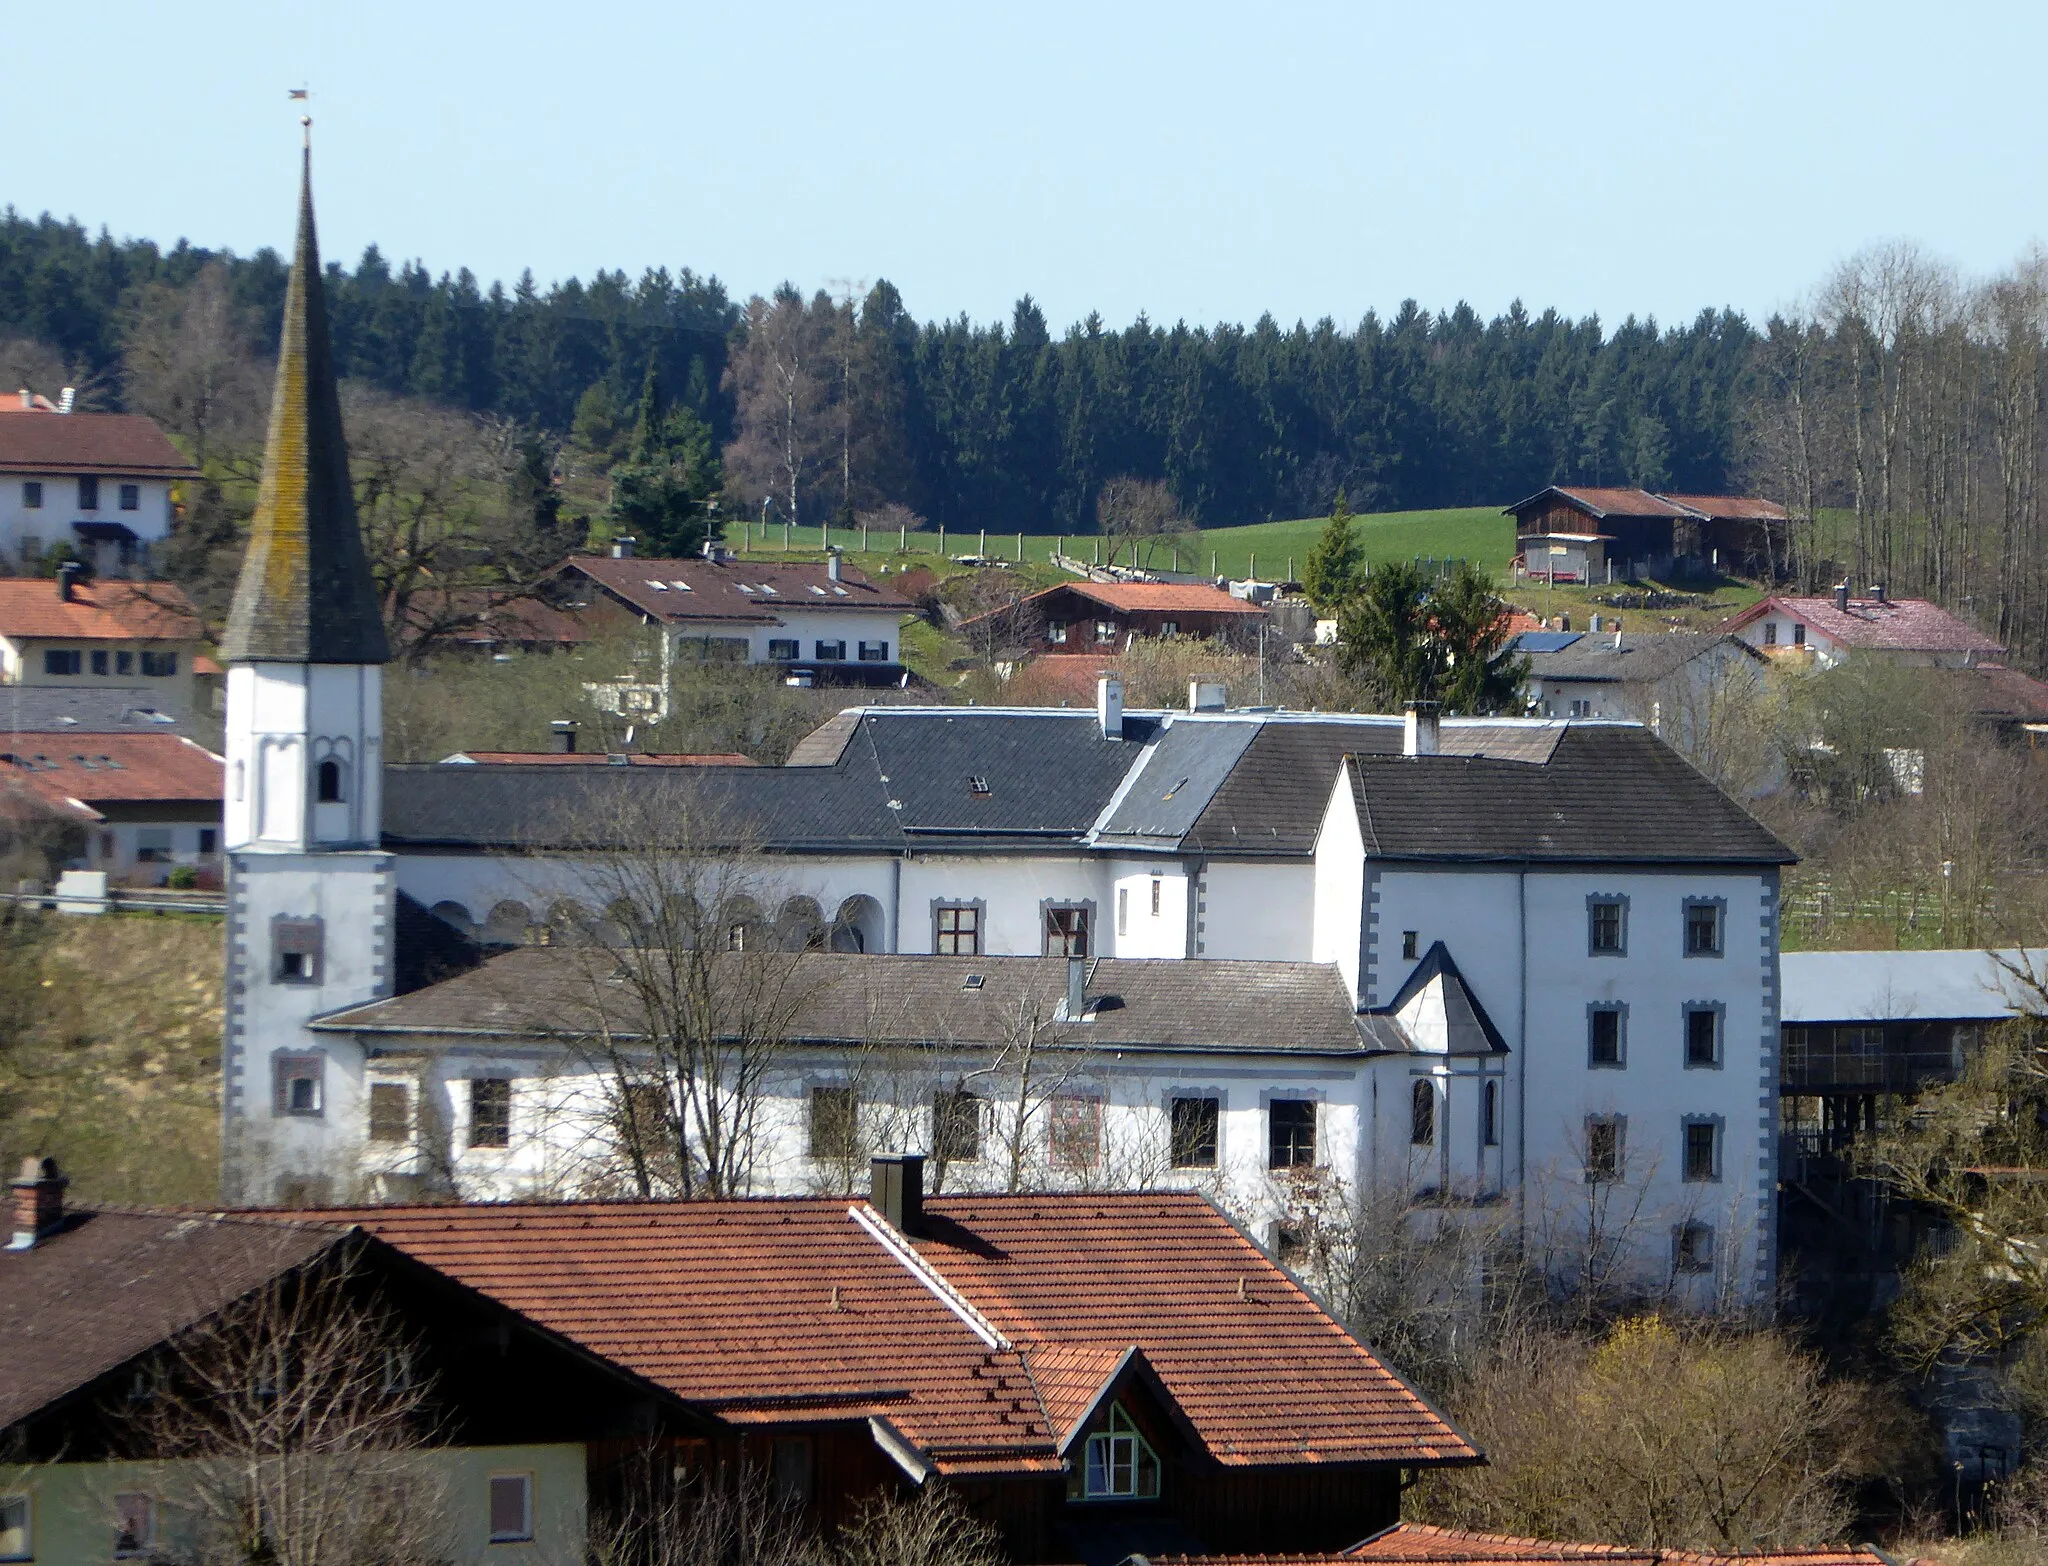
x=1105, y=617
x=1572, y=533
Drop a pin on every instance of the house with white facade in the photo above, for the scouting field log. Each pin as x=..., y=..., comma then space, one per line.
x=1827, y=630
x=818, y=621
x=1524, y=968
x=83, y=632
x=101, y=483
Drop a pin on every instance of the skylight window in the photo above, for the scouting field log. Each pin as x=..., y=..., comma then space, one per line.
x=978, y=787
x=973, y=981
x=842, y=592
x=817, y=589
x=659, y=587
x=744, y=588
x=769, y=589
x=680, y=585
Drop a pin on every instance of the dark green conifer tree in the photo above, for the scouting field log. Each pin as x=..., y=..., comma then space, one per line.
x=1336, y=565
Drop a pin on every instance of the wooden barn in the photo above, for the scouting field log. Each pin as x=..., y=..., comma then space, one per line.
x=1579, y=534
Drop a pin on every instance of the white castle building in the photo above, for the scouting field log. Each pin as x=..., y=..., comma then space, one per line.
x=1525, y=969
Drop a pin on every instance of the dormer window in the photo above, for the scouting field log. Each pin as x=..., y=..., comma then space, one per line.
x=1121, y=1465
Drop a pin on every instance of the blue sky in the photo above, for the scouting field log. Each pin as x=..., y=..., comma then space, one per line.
x=1195, y=161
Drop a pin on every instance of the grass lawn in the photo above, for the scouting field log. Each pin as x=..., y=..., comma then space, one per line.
x=1477, y=533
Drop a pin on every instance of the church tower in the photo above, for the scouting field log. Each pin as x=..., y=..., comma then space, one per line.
x=310, y=896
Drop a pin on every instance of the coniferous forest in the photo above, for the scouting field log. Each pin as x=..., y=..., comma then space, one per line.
x=1011, y=425
x=1898, y=412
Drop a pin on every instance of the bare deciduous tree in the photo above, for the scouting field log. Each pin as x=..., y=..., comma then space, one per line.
x=293, y=1427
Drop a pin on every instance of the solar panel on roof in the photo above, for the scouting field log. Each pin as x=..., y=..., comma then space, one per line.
x=1546, y=641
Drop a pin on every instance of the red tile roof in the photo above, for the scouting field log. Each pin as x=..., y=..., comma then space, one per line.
x=797, y=1309
x=1895, y=625
x=1425, y=1545
x=1991, y=690
x=737, y=590
x=68, y=770
x=97, y=611
x=117, y=445
x=1732, y=508
x=1627, y=502
x=1159, y=597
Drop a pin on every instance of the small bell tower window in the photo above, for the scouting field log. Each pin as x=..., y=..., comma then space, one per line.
x=329, y=787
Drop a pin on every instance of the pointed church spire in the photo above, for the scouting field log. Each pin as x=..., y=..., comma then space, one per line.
x=305, y=594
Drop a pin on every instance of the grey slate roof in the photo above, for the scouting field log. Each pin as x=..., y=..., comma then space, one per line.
x=305, y=594
x=1612, y=793
x=1467, y=1027
x=107, y=709
x=1273, y=800
x=896, y=779
x=1642, y=657
x=111, y=1285
x=1194, y=1004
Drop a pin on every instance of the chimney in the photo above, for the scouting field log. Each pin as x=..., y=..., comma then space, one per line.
x=38, y=1201
x=1595, y=625
x=1842, y=597
x=563, y=734
x=1207, y=696
x=1077, y=988
x=1109, y=706
x=833, y=557
x=1877, y=592
x=1419, y=729
x=28, y=400
x=67, y=579
x=896, y=1190
x=622, y=548
x=67, y=399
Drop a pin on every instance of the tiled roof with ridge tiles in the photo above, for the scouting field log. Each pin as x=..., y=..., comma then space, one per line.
x=792, y=1310
x=1422, y=1544
x=113, y=445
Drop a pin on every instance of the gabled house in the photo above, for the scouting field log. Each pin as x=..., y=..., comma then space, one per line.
x=1577, y=533
x=1093, y=1375
x=137, y=804
x=1667, y=680
x=821, y=621
x=1096, y=1374
x=99, y=1308
x=83, y=632
x=1826, y=630
x=1105, y=617
x=103, y=484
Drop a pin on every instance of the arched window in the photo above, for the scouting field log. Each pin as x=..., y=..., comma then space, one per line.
x=328, y=787
x=1422, y=1113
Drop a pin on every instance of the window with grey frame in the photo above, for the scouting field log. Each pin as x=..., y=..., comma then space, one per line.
x=1703, y=1035
x=1066, y=929
x=300, y=1085
x=956, y=1127
x=1705, y=922
x=1194, y=1121
x=1607, y=926
x=1291, y=1133
x=295, y=951
x=490, y=1111
x=956, y=929
x=390, y=1112
x=1605, y=1136
x=1607, y=1035
x=1702, y=1149
x=1692, y=1247
x=1422, y=1113
x=834, y=1122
